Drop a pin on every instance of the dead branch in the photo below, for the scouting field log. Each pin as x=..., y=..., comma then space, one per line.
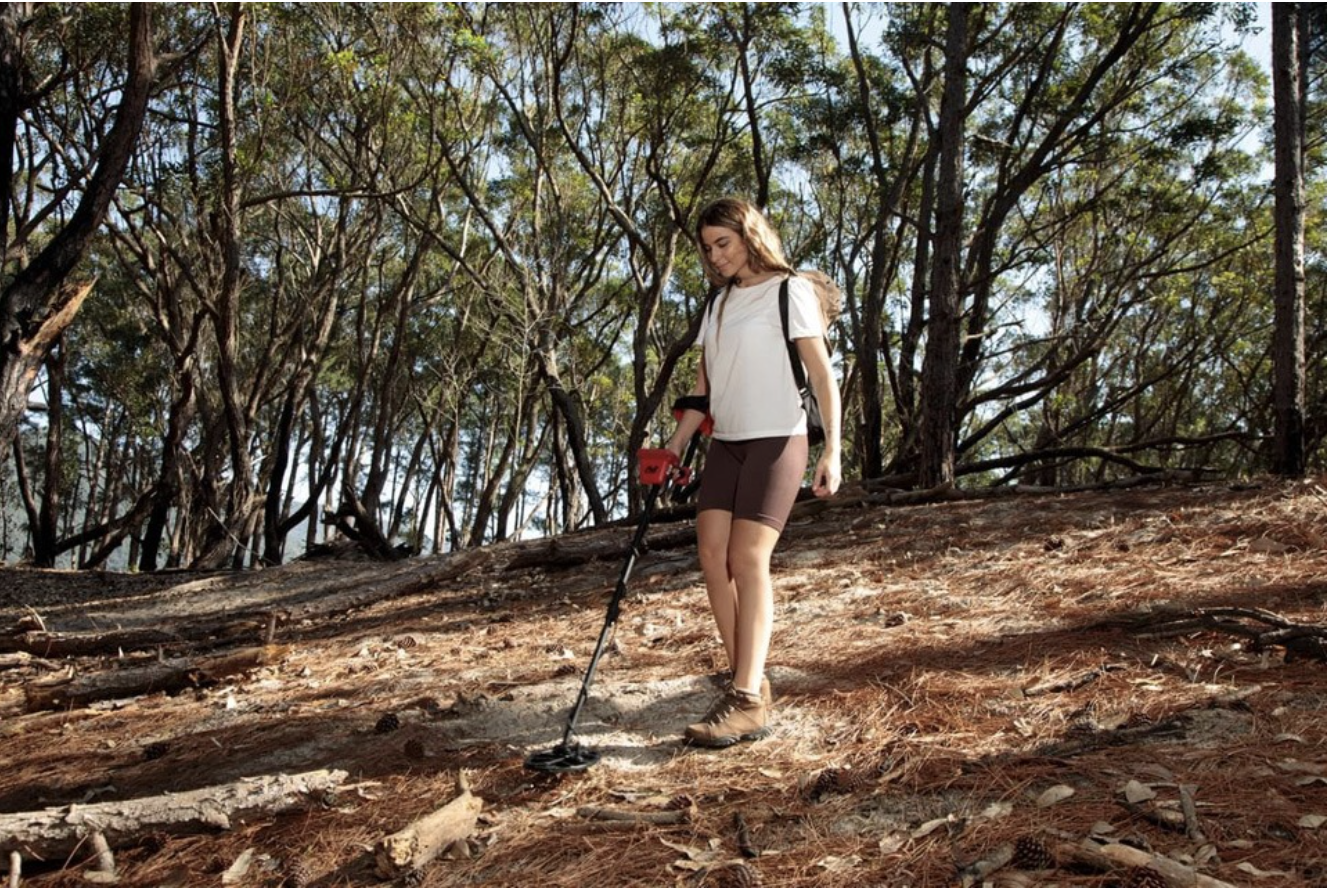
x=1193, y=830
x=165, y=677
x=977, y=872
x=1299, y=639
x=104, y=870
x=1163, y=817
x=659, y=818
x=55, y=833
x=21, y=659
x=1101, y=739
x=414, y=847
x=354, y=520
x=1114, y=856
x=560, y=554
x=1073, y=683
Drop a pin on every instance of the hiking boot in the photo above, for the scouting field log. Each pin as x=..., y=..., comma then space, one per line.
x=736, y=717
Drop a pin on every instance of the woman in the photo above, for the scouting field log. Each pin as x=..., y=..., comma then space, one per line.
x=758, y=454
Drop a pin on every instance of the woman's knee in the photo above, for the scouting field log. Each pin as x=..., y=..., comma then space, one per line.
x=714, y=560
x=750, y=548
x=748, y=563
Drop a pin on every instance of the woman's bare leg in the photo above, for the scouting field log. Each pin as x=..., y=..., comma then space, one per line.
x=751, y=545
x=713, y=527
x=735, y=562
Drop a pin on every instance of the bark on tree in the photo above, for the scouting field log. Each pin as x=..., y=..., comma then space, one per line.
x=1289, y=269
x=941, y=367
x=872, y=337
x=38, y=305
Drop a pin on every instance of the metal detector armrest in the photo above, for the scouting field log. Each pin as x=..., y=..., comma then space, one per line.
x=657, y=465
x=699, y=403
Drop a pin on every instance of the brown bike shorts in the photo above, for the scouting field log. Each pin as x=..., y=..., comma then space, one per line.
x=756, y=480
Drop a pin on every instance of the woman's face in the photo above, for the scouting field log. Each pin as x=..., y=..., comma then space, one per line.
x=726, y=251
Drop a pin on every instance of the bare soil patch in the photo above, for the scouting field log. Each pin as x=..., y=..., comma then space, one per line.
x=950, y=679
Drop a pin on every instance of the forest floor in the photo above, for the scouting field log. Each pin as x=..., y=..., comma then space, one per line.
x=952, y=679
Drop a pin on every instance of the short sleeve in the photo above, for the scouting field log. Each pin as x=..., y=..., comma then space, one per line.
x=804, y=310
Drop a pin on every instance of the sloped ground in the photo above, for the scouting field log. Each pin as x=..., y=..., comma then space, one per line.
x=949, y=678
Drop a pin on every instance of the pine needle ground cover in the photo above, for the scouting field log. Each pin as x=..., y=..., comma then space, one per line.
x=977, y=691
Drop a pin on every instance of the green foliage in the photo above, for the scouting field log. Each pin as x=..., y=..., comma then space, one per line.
x=464, y=263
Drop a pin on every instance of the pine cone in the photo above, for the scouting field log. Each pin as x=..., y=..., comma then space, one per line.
x=736, y=875
x=680, y=803
x=1143, y=877
x=298, y=874
x=843, y=781
x=1031, y=854
x=387, y=724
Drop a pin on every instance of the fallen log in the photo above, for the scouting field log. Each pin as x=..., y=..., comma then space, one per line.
x=414, y=847
x=82, y=644
x=55, y=833
x=169, y=676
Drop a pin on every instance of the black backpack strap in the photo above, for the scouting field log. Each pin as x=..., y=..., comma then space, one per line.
x=711, y=298
x=795, y=362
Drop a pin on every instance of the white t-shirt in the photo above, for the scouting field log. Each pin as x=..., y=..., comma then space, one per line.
x=752, y=392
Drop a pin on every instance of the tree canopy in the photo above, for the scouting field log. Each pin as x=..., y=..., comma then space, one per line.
x=422, y=274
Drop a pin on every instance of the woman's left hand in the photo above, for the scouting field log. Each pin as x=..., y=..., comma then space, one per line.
x=826, y=480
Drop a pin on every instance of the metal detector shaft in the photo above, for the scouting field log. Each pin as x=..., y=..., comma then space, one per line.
x=615, y=606
x=660, y=469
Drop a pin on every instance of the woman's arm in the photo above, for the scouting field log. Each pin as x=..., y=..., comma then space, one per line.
x=690, y=420
x=821, y=377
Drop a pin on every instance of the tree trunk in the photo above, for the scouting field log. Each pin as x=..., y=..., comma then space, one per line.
x=37, y=306
x=941, y=368
x=46, y=533
x=1289, y=274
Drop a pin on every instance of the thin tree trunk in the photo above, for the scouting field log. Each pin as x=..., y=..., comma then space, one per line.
x=1289, y=274
x=940, y=371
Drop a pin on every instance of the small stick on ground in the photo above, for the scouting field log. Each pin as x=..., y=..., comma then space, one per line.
x=1193, y=830
x=611, y=815
x=104, y=871
x=1073, y=683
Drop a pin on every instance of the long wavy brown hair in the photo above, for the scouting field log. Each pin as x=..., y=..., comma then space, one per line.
x=765, y=252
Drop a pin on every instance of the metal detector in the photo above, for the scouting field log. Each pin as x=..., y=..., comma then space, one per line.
x=658, y=469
